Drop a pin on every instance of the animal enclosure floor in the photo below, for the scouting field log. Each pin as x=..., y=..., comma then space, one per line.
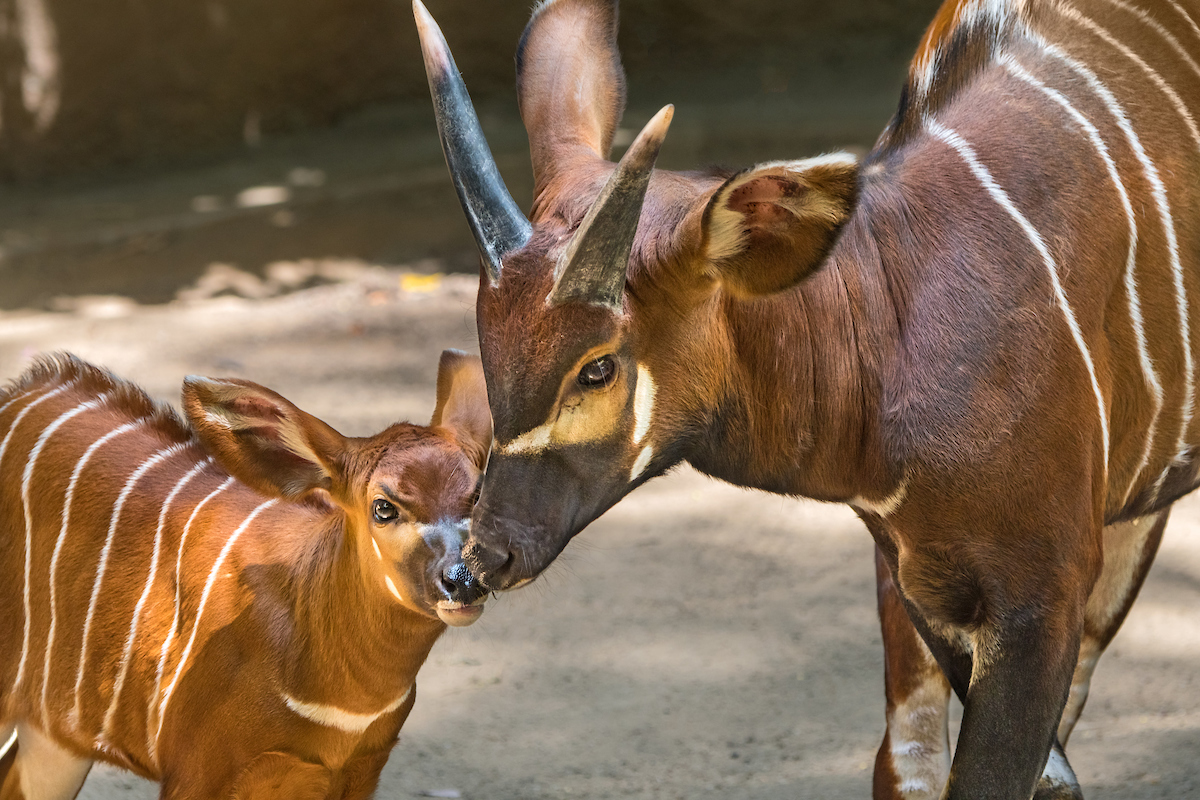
x=697, y=642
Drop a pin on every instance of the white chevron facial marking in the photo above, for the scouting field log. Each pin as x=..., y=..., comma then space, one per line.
x=643, y=404
x=334, y=717
x=643, y=461
x=392, y=587
x=967, y=153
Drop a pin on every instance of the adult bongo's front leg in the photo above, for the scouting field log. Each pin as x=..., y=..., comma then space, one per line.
x=1021, y=674
x=913, y=762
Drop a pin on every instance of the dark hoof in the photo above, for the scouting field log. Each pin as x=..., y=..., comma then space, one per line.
x=1053, y=790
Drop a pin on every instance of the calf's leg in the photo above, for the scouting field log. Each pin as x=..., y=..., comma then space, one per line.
x=39, y=769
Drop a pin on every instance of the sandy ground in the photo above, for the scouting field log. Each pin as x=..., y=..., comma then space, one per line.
x=698, y=641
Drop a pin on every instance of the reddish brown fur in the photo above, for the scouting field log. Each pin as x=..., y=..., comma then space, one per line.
x=924, y=368
x=299, y=605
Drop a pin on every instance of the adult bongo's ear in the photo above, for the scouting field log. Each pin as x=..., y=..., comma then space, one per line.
x=262, y=439
x=770, y=226
x=462, y=404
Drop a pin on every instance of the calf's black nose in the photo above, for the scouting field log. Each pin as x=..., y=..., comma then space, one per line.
x=460, y=585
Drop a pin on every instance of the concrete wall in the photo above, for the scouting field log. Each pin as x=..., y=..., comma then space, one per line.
x=91, y=83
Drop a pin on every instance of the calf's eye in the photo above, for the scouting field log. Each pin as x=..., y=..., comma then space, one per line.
x=384, y=512
x=598, y=373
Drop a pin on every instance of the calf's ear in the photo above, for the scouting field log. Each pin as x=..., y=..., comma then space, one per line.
x=770, y=226
x=262, y=439
x=462, y=404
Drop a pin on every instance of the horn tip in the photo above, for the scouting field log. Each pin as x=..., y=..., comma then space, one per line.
x=433, y=44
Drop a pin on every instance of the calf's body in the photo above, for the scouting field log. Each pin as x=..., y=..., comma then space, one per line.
x=252, y=637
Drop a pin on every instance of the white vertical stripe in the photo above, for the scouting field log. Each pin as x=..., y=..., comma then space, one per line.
x=14, y=399
x=127, y=657
x=58, y=548
x=1180, y=289
x=1158, y=192
x=26, y=479
x=1158, y=80
x=1186, y=16
x=170, y=637
x=146, y=466
x=1154, y=25
x=26, y=410
x=28, y=548
x=1001, y=197
x=1131, y=288
x=208, y=586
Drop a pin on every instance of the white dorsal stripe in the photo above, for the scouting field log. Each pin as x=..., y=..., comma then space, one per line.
x=1158, y=188
x=157, y=458
x=127, y=656
x=170, y=637
x=208, y=586
x=334, y=717
x=967, y=153
x=1157, y=27
x=26, y=479
x=58, y=548
x=1131, y=287
x=1180, y=289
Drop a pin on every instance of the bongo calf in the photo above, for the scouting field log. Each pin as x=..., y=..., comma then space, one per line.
x=236, y=605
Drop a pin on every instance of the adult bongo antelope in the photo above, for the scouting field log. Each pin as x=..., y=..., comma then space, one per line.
x=238, y=608
x=980, y=337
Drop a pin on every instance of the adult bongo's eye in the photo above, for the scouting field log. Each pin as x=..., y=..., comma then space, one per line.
x=384, y=512
x=598, y=373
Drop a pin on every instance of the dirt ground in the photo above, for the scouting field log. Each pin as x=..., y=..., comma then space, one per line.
x=697, y=642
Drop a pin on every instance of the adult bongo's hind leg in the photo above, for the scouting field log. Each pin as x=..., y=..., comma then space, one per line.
x=1129, y=550
x=41, y=770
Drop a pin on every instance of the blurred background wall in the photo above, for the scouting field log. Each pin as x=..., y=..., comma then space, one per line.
x=162, y=149
x=90, y=83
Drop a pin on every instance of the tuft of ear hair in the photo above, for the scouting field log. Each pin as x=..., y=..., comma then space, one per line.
x=462, y=404
x=261, y=438
x=770, y=226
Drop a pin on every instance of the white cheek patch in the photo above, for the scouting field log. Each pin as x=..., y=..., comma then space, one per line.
x=643, y=461
x=375, y=545
x=392, y=587
x=643, y=405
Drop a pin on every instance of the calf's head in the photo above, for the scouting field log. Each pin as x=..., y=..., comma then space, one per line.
x=403, y=497
x=600, y=319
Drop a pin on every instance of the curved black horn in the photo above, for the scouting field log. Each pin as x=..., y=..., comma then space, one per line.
x=593, y=266
x=494, y=217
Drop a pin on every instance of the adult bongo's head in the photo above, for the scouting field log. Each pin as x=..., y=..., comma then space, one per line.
x=599, y=315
